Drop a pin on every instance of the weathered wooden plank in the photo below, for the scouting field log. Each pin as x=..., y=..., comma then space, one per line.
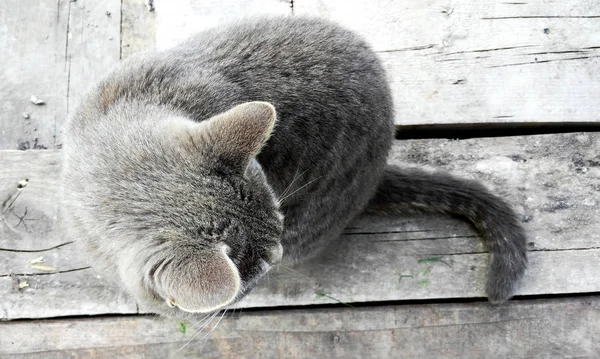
x=28, y=222
x=33, y=37
x=522, y=329
x=466, y=25
x=177, y=19
x=94, y=45
x=71, y=45
x=492, y=61
x=551, y=180
x=138, y=27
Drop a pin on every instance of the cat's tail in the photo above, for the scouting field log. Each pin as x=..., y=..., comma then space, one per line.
x=406, y=190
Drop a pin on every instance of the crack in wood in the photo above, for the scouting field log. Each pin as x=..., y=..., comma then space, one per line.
x=43, y=273
x=487, y=50
x=391, y=328
x=22, y=218
x=564, y=249
x=388, y=232
x=68, y=27
x=420, y=239
x=68, y=88
x=58, y=12
x=543, y=17
x=555, y=52
x=414, y=48
x=544, y=61
x=120, y=31
x=35, y=250
x=67, y=64
x=529, y=250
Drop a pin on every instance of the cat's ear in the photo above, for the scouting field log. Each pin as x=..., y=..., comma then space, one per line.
x=234, y=137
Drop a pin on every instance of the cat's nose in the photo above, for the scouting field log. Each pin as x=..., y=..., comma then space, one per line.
x=274, y=254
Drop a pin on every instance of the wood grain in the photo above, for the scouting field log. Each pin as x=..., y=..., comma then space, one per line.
x=473, y=64
x=138, y=27
x=178, y=19
x=33, y=63
x=94, y=46
x=478, y=63
x=551, y=180
x=29, y=229
x=522, y=329
x=54, y=50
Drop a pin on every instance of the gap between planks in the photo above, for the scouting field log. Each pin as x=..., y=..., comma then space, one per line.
x=532, y=329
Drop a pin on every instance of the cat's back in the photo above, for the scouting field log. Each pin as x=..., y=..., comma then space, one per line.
x=308, y=46
x=269, y=58
x=327, y=85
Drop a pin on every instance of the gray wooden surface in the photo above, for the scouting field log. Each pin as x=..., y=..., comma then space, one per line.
x=482, y=62
x=53, y=50
x=25, y=74
x=458, y=62
x=551, y=180
x=522, y=330
x=138, y=27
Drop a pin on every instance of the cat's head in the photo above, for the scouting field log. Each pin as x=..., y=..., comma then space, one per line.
x=185, y=213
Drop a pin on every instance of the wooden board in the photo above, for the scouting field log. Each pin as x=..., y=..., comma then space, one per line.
x=177, y=19
x=552, y=181
x=95, y=49
x=33, y=63
x=30, y=224
x=459, y=62
x=138, y=27
x=490, y=61
x=54, y=50
x=523, y=329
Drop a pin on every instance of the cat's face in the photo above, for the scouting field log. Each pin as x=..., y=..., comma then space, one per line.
x=191, y=220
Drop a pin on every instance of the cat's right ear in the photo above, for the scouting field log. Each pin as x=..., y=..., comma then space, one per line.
x=232, y=138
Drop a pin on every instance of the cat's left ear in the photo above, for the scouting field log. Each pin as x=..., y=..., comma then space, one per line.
x=234, y=137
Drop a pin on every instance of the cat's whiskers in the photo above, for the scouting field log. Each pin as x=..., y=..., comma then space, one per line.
x=295, y=191
x=207, y=323
x=201, y=322
x=206, y=337
x=296, y=177
x=268, y=277
x=198, y=331
x=291, y=183
x=293, y=271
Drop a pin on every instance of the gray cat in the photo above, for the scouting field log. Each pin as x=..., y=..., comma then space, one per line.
x=189, y=172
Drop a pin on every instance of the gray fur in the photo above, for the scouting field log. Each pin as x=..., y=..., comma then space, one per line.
x=165, y=183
